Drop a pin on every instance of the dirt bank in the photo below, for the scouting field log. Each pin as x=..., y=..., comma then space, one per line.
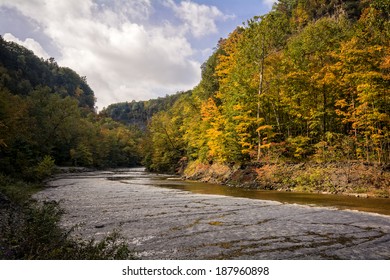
x=348, y=178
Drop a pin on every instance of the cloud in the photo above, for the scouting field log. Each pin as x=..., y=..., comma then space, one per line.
x=28, y=43
x=122, y=57
x=123, y=10
x=269, y=3
x=199, y=19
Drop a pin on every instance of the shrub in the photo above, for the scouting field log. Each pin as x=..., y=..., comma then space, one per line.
x=41, y=171
x=299, y=147
x=30, y=230
x=45, y=168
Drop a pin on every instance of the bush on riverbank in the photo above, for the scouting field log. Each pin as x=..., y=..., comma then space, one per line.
x=30, y=230
x=350, y=178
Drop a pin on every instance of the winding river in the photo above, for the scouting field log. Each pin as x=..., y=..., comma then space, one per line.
x=162, y=217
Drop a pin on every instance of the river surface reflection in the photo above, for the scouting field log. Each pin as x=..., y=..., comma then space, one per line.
x=163, y=217
x=374, y=205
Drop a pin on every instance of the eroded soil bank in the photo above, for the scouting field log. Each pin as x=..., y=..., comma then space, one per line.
x=167, y=223
x=349, y=178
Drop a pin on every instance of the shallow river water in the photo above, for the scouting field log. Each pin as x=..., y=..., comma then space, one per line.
x=164, y=218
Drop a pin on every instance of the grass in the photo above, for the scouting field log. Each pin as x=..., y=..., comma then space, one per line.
x=30, y=229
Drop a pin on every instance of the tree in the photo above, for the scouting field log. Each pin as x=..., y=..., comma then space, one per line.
x=167, y=143
x=364, y=102
x=309, y=85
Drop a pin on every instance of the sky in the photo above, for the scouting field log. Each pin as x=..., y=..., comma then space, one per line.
x=127, y=49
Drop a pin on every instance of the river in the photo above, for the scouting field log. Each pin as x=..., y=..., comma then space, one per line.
x=162, y=217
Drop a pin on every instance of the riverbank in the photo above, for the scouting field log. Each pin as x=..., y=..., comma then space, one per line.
x=30, y=229
x=342, y=178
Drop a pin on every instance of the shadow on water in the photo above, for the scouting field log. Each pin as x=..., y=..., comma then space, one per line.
x=374, y=205
x=140, y=177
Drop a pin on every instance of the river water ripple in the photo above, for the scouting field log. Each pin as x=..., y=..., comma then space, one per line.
x=160, y=221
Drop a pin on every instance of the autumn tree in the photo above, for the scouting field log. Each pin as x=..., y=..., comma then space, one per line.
x=363, y=65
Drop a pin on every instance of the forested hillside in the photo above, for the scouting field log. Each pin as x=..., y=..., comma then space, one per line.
x=21, y=72
x=308, y=81
x=139, y=113
x=47, y=117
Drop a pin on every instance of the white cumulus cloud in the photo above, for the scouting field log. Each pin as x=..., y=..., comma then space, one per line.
x=108, y=42
x=28, y=43
x=199, y=19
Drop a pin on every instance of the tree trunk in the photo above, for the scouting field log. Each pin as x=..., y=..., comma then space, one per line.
x=259, y=97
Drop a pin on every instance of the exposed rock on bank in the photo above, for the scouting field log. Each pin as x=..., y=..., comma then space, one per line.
x=349, y=178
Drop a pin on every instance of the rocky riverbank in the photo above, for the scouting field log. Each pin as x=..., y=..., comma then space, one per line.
x=347, y=178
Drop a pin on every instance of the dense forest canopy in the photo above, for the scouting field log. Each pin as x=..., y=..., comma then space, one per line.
x=139, y=113
x=47, y=117
x=21, y=72
x=310, y=80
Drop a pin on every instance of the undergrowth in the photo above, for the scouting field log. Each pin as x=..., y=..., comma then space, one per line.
x=30, y=230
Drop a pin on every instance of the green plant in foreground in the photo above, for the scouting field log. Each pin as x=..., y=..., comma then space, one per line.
x=30, y=230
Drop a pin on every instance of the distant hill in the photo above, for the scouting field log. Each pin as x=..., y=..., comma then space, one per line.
x=139, y=113
x=21, y=72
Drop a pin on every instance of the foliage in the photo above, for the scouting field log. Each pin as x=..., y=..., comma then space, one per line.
x=29, y=230
x=139, y=113
x=309, y=80
x=44, y=168
x=48, y=123
x=167, y=143
x=33, y=233
x=16, y=190
x=22, y=72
